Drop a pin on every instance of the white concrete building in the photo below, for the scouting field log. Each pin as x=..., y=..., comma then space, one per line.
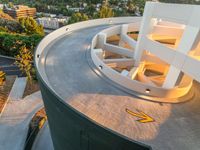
x=162, y=60
x=50, y=23
x=76, y=9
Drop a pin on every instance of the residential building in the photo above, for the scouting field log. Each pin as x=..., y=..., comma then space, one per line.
x=51, y=23
x=20, y=11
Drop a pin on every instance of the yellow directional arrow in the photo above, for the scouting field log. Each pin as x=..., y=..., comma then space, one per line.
x=144, y=118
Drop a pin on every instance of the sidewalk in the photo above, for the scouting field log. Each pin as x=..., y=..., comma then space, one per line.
x=15, y=118
x=17, y=90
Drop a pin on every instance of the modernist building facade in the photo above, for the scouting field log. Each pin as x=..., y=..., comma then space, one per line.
x=90, y=72
x=20, y=11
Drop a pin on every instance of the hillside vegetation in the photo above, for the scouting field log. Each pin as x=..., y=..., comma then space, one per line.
x=5, y=16
x=18, y=38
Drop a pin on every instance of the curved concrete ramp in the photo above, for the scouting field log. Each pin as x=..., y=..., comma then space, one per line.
x=15, y=120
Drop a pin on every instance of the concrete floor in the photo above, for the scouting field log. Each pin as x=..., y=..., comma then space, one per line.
x=176, y=126
x=15, y=119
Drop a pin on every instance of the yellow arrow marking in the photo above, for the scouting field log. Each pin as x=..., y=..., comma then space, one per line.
x=144, y=118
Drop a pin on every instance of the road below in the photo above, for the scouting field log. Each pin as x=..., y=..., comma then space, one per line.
x=7, y=65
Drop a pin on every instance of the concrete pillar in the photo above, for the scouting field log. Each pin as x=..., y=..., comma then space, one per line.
x=101, y=40
x=124, y=30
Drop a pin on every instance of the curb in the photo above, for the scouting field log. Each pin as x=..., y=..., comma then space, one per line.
x=8, y=57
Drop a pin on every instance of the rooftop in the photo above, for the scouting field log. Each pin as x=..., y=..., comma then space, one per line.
x=66, y=66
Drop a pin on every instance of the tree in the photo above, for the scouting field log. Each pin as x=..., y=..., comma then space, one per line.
x=90, y=10
x=77, y=17
x=140, y=4
x=11, y=25
x=24, y=61
x=10, y=5
x=131, y=6
x=10, y=44
x=114, y=2
x=106, y=12
x=31, y=26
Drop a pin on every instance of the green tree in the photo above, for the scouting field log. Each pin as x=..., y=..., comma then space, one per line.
x=10, y=5
x=24, y=61
x=140, y=4
x=114, y=2
x=11, y=43
x=90, y=10
x=11, y=25
x=105, y=12
x=131, y=7
x=77, y=17
x=30, y=26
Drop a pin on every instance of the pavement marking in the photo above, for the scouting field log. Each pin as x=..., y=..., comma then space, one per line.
x=144, y=118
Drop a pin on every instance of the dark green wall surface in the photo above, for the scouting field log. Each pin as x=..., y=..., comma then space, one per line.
x=72, y=131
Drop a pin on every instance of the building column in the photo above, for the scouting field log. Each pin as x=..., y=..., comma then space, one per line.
x=124, y=30
x=101, y=40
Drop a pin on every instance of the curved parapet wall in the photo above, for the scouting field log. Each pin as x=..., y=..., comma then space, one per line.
x=73, y=131
x=70, y=129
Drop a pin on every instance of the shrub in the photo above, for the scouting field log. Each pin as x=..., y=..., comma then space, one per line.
x=77, y=17
x=105, y=12
x=11, y=25
x=3, y=29
x=30, y=26
x=24, y=61
x=10, y=44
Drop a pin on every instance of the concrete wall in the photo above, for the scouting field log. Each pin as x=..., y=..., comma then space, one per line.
x=71, y=130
